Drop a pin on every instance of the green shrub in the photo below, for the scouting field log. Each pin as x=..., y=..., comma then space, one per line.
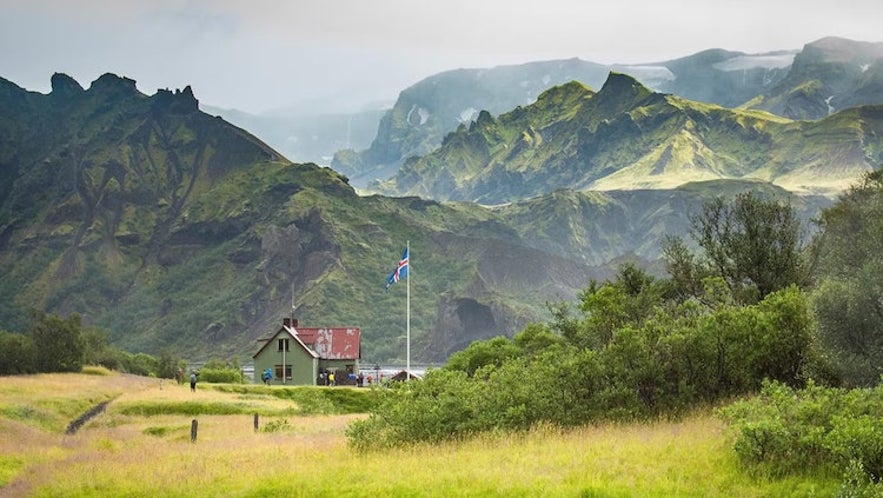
x=279, y=425
x=221, y=375
x=95, y=370
x=788, y=431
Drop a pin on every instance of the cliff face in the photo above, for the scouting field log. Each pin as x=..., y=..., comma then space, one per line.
x=109, y=195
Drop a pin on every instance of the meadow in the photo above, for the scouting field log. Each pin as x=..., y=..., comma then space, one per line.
x=141, y=446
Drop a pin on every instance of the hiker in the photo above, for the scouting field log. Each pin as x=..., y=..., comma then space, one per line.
x=193, y=376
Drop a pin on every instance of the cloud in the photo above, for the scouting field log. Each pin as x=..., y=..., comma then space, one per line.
x=271, y=53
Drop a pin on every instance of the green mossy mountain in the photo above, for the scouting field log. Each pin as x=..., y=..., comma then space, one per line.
x=173, y=229
x=826, y=76
x=627, y=137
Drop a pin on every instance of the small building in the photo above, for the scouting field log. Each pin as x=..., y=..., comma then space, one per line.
x=404, y=375
x=306, y=356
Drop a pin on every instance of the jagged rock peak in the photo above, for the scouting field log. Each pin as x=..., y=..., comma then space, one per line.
x=621, y=84
x=484, y=117
x=182, y=101
x=63, y=85
x=109, y=82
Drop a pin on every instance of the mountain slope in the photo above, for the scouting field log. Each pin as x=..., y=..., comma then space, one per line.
x=628, y=137
x=827, y=76
x=304, y=137
x=173, y=229
x=425, y=112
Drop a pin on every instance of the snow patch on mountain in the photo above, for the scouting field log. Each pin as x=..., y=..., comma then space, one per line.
x=648, y=73
x=743, y=62
x=422, y=114
x=468, y=114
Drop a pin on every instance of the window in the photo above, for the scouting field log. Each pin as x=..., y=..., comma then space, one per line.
x=278, y=369
x=283, y=345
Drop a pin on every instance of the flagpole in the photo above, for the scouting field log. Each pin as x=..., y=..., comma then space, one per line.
x=408, y=327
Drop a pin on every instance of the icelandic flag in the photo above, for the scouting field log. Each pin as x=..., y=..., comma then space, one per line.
x=400, y=272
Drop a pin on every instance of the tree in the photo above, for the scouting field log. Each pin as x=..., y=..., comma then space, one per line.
x=684, y=270
x=16, y=354
x=755, y=245
x=479, y=354
x=58, y=342
x=848, y=297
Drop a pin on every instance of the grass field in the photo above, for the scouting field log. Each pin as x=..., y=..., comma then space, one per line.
x=140, y=446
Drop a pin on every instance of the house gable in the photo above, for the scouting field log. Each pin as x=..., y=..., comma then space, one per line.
x=286, y=333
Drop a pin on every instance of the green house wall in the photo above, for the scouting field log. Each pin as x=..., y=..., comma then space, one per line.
x=304, y=368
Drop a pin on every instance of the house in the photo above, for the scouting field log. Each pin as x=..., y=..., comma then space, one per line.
x=302, y=354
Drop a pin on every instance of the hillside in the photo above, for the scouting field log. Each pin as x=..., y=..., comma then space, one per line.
x=627, y=137
x=827, y=76
x=304, y=137
x=824, y=77
x=174, y=229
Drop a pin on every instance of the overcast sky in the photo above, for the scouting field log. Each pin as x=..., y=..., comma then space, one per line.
x=256, y=55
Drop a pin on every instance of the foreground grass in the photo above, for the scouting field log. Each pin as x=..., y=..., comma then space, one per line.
x=124, y=453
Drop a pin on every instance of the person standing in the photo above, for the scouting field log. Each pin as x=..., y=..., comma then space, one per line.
x=193, y=376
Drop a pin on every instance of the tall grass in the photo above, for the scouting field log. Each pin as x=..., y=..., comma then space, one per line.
x=122, y=454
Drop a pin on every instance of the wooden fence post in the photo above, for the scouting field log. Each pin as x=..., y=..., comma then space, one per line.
x=256, y=424
x=193, y=428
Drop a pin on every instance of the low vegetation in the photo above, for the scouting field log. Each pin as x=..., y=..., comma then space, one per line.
x=129, y=454
x=642, y=358
x=813, y=430
x=732, y=319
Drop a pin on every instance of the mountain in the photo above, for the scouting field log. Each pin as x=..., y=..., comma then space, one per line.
x=425, y=112
x=627, y=137
x=174, y=229
x=827, y=76
x=305, y=137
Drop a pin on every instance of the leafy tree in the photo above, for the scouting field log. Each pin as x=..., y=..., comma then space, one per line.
x=480, y=354
x=536, y=338
x=685, y=271
x=848, y=298
x=58, y=342
x=139, y=364
x=16, y=354
x=168, y=365
x=97, y=349
x=629, y=299
x=755, y=245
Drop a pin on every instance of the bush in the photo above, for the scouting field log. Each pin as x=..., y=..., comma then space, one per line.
x=788, y=431
x=220, y=375
x=660, y=363
x=95, y=370
x=16, y=354
x=279, y=425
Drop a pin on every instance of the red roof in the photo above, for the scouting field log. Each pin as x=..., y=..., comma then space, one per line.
x=333, y=343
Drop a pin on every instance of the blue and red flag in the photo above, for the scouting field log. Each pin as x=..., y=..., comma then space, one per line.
x=400, y=272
